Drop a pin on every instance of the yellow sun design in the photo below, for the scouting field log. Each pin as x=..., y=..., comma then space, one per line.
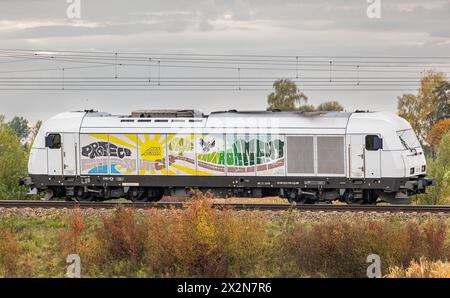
x=152, y=147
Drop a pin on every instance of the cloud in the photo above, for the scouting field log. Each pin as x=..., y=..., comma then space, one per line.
x=411, y=6
x=266, y=27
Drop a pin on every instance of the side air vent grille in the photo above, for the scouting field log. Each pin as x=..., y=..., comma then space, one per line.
x=166, y=114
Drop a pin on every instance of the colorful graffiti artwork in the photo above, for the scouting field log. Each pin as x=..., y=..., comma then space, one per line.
x=261, y=155
x=270, y=155
x=181, y=154
x=94, y=153
x=210, y=154
x=117, y=150
x=240, y=154
x=123, y=154
x=152, y=154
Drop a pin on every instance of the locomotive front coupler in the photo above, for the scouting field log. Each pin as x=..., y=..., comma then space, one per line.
x=32, y=190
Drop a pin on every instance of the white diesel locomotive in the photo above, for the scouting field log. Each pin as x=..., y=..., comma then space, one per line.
x=358, y=157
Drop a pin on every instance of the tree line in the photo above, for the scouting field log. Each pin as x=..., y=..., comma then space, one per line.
x=13, y=157
x=288, y=97
x=428, y=112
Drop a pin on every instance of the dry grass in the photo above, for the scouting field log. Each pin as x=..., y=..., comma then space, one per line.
x=421, y=269
x=78, y=240
x=70, y=239
x=9, y=251
x=340, y=249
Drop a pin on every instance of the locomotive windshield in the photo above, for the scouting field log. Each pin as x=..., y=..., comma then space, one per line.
x=408, y=139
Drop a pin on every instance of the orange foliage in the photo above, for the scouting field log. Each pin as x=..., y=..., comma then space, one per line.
x=436, y=133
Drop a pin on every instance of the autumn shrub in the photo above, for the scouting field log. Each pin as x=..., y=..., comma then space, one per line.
x=76, y=239
x=331, y=249
x=113, y=247
x=69, y=241
x=121, y=237
x=9, y=251
x=340, y=249
x=435, y=235
x=203, y=242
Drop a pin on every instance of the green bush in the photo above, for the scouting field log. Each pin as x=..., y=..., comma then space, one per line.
x=439, y=170
x=13, y=164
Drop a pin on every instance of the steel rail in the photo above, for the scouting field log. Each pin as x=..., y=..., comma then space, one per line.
x=234, y=206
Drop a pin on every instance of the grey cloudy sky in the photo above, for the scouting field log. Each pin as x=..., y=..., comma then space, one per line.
x=257, y=27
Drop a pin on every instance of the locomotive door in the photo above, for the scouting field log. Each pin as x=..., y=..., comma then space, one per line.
x=372, y=156
x=356, y=155
x=54, y=153
x=364, y=156
x=69, y=153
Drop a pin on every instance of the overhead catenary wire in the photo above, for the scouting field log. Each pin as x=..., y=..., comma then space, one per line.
x=241, y=61
x=209, y=71
x=205, y=89
x=220, y=55
x=310, y=63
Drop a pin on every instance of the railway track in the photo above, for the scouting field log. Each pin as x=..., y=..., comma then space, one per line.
x=235, y=206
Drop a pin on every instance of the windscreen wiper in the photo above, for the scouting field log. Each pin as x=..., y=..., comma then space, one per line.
x=405, y=144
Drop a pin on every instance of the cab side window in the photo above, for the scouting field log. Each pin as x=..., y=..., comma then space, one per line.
x=53, y=141
x=374, y=143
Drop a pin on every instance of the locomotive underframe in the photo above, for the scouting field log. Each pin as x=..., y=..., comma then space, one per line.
x=299, y=189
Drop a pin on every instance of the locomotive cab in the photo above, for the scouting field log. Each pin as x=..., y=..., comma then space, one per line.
x=391, y=151
x=53, y=155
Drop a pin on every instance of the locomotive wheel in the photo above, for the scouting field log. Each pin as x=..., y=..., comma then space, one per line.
x=300, y=200
x=141, y=198
x=145, y=195
x=350, y=199
x=86, y=197
x=305, y=201
x=136, y=195
x=354, y=202
x=155, y=194
x=371, y=196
